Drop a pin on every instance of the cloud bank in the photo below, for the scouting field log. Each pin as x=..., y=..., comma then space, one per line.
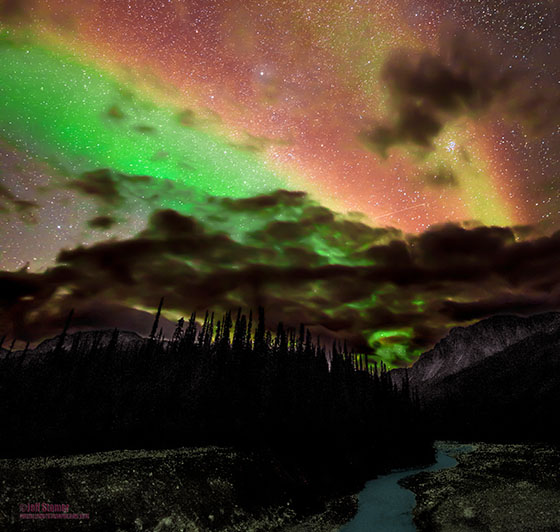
x=383, y=291
x=428, y=90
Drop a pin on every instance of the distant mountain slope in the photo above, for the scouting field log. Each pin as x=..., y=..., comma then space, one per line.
x=87, y=337
x=464, y=347
x=510, y=395
x=496, y=380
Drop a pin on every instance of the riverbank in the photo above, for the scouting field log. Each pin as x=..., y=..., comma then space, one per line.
x=502, y=488
x=386, y=506
x=190, y=489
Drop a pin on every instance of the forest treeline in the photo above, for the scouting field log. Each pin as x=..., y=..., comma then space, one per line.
x=227, y=382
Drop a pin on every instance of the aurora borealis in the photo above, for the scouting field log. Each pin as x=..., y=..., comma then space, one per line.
x=380, y=171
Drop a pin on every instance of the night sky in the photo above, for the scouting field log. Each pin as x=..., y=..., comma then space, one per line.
x=379, y=170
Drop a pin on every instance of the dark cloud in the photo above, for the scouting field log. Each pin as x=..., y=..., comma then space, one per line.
x=533, y=262
x=282, y=231
x=413, y=125
x=200, y=118
x=96, y=315
x=298, y=259
x=279, y=198
x=24, y=293
x=99, y=184
x=341, y=278
x=102, y=222
x=144, y=128
x=427, y=90
x=24, y=209
x=187, y=118
x=441, y=178
x=115, y=112
x=106, y=186
x=501, y=304
x=21, y=285
x=258, y=144
x=13, y=10
x=160, y=155
x=448, y=244
x=5, y=194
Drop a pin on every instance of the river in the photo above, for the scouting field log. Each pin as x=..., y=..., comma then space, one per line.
x=385, y=506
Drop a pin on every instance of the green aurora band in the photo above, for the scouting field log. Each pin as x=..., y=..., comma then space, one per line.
x=57, y=109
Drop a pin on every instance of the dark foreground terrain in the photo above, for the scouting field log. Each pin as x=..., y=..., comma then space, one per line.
x=497, y=488
x=198, y=489
x=309, y=427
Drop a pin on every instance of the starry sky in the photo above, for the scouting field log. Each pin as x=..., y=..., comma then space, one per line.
x=380, y=170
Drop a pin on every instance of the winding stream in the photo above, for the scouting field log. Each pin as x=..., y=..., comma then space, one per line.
x=385, y=506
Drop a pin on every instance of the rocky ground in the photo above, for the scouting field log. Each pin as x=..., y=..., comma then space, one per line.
x=214, y=489
x=497, y=488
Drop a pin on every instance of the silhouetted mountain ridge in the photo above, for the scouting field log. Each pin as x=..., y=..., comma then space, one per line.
x=513, y=395
x=103, y=337
x=527, y=361
x=496, y=380
x=464, y=347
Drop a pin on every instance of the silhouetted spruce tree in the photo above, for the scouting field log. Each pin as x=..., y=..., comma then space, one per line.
x=207, y=387
x=156, y=320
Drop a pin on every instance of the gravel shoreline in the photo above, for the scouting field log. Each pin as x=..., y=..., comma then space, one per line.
x=495, y=487
x=190, y=489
